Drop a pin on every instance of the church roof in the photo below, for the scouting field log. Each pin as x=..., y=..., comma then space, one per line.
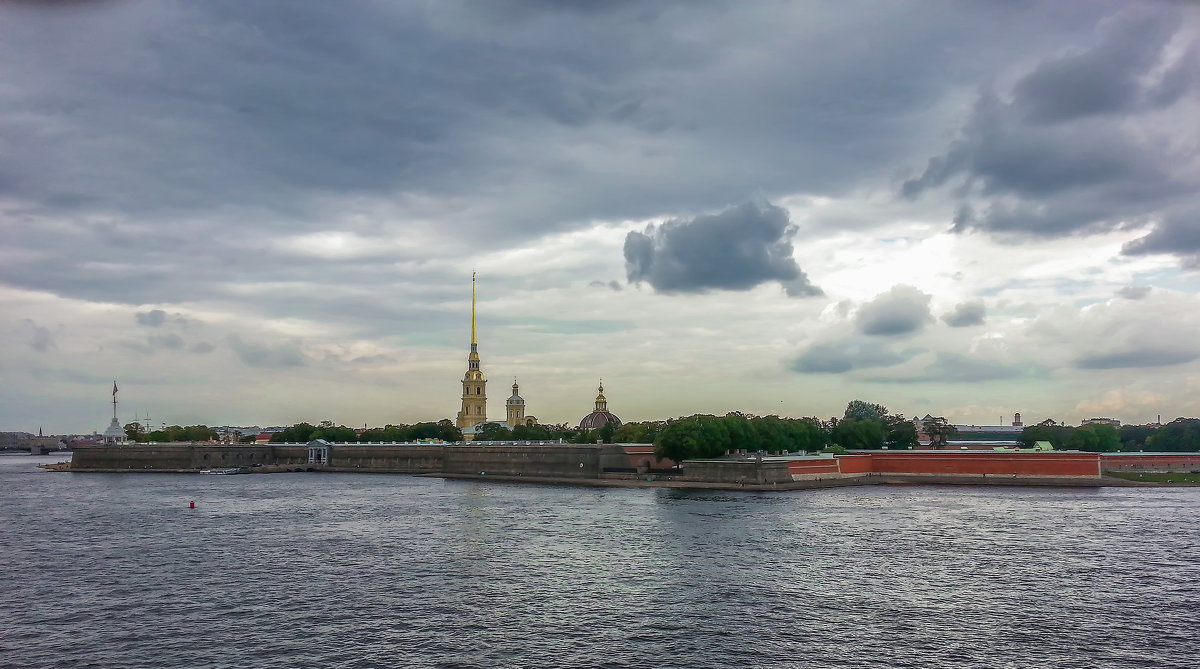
x=601, y=416
x=598, y=419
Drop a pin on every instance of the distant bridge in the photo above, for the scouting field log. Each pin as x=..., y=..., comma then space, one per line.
x=37, y=445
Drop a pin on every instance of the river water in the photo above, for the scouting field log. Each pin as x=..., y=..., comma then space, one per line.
x=366, y=570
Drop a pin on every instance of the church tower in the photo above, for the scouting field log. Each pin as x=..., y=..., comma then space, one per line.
x=474, y=398
x=516, y=408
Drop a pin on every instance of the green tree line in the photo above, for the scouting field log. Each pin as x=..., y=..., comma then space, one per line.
x=1180, y=435
x=136, y=432
x=864, y=425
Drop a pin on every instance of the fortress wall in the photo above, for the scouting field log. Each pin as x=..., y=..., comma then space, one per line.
x=855, y=464
x=807, y=469
x=639, y=455
x=135, y=457
x=564, y=461
x=941, y=463
x=170, y=457
x=1150, y=462
x=290, y=455
x=407, y=458
x=737, y=471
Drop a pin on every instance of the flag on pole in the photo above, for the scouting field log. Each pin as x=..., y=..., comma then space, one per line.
x=114, y=388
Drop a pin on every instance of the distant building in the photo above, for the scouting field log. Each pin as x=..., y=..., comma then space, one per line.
x=515, y=406
x=601, y=416
x=1102, y=421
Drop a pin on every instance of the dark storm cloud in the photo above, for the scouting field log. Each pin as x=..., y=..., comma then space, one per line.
x=736, y=249
x=900, y=311
x=843, y=356
x=152, y=318
x=1178, y=235
x=1108, y=78
x=286, y=354
x=1076, y=148
x=1134, y=292
x=966, y=314
x=143, y=170
x=1138, y=357
x=624, y=110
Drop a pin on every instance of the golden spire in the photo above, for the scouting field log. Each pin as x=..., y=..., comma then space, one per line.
x=474, y=336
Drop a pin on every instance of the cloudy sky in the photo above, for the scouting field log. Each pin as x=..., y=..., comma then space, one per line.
x=267, y=212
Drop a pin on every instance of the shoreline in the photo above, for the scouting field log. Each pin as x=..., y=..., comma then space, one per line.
x=808, y=484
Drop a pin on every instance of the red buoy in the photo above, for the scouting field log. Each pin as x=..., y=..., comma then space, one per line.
x=193, y=504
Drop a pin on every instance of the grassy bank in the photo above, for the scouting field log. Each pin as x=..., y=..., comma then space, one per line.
x=1190, y=478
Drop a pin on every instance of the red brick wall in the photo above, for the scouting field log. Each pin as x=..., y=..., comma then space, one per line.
x=1151, y=461
x=974, y=464
x=856, y=464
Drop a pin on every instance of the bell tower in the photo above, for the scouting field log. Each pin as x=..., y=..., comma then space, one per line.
x=474, y=397
x=516, y=407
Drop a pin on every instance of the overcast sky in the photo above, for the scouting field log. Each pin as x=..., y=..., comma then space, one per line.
x=268, y=212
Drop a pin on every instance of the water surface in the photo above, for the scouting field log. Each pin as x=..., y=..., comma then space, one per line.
x=372, y=570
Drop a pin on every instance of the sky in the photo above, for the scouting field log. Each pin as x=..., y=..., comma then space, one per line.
x=265, y=213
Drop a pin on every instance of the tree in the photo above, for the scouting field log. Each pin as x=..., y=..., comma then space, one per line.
x=334, y=433
x=680, y=440
x=1181, y=434
x=134, y=431
x=901, y=433
x=1136, y=437
x=939, y=430
x=742, y=435
x=807, y=434
x=1096, y=437
x=854, y=433
x=860, y=410
x=1057, y=435
x=770, y=434
x=297, y=434
x=638, y=433
x=494, y=432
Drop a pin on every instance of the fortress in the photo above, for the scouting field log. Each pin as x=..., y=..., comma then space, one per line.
x=617, y=464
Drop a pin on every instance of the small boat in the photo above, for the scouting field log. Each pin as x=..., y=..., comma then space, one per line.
x=227, y=470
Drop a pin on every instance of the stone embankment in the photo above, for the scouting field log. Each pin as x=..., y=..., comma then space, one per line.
x=634, y=465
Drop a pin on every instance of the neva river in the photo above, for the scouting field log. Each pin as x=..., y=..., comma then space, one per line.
x=345, y=570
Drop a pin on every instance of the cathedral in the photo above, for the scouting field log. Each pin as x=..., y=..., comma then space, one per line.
x=472, y=417
x=473, y=414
